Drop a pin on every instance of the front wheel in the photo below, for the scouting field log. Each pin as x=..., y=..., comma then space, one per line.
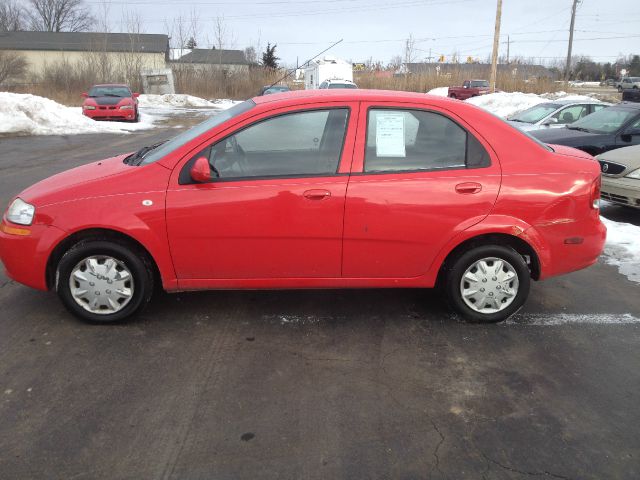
x=488, y=283
x=103, y=281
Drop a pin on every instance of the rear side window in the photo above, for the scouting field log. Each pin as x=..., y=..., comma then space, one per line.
x=414, y=140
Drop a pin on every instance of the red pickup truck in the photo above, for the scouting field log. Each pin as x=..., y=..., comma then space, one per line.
x=469, y=88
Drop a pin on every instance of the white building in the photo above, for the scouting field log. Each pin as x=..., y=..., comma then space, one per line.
x=326, y=68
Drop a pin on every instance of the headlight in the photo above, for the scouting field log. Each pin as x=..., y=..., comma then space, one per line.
x=20, y=212
x=126, y=107
x=88, y=107
x=635, y=174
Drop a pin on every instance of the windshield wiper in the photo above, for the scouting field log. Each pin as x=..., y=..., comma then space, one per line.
x=580, y=129
x=136, y=158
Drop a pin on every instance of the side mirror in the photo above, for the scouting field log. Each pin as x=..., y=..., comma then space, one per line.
x=136, y=95
x=550, y=121
x=201, y=171
x=84, y=94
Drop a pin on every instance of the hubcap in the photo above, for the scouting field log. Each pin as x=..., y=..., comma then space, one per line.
x=101, y=284
x=489, y=285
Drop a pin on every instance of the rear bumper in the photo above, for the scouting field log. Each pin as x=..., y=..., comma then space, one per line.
x=25, y=256
x=623, y=191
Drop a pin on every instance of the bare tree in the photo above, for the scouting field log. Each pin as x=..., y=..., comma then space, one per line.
x=251, y=55
x=12, y=16
x=60, y=16
x=410, y=49
x=12, y=65
x=395, y=63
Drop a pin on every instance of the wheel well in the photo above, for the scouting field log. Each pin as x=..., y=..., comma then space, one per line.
x=95, y=234
x=519, y=245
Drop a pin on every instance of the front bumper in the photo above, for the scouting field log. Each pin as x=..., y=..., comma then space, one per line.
x=622, y=191
x=25, y=256
x=109, y=113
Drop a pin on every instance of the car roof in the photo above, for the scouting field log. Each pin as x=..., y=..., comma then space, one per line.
x=627, y=106
x=351, y=94
x=110, y=85
x=577, y=102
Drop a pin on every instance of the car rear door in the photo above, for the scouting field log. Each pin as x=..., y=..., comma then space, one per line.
x=276, y=209
x=420, y=176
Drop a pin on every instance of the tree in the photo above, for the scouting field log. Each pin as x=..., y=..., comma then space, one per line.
x=191, y=44
x=251, y=55
x=12, y=65
x=395, y=63
x=12, y=16
x=634, y=66
x=269, y=59
x=60, y=16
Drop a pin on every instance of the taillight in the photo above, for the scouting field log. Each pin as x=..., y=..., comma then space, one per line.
x=595, y=193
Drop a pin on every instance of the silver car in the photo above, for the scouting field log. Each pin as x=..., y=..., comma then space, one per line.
x=554, y=114
x=621, y=176
x=627, y=83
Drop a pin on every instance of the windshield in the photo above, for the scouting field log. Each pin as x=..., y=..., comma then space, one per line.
x=607, y=120
x=342, y=85
x=271, y=90
x=535, y=114
x=188, y=135
x=479, y=83
x=110, y=91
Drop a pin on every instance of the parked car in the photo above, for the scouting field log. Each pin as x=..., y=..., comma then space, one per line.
x=631, y=95
x=469, y=88
x=314, y=189
x=269, y=89
x=621, y=176
x=628, y=82
x=609, y=82
x=337, y=84
x=613, y=127
x=554, y=114
x=111, y=102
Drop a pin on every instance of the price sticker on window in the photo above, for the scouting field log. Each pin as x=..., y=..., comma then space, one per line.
x=390, y=135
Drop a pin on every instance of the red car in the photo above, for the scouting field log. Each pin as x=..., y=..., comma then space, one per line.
x=314, y=189
x=111, y=102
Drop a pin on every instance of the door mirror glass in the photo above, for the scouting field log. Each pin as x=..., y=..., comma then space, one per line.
x=201, y=171
x=84, y=94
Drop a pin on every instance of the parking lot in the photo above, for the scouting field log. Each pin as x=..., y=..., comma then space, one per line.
x=314, y=384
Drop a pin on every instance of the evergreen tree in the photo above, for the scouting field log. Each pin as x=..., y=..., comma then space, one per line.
x=269, y=59
x=634, y=66
x=191, y=44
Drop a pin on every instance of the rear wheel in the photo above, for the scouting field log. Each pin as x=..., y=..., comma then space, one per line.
x=103, y=281
x=488, y=283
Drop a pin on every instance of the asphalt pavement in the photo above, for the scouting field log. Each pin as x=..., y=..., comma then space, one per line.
x=349, y=384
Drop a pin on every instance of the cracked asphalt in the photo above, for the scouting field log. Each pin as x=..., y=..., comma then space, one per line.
x=313, y=384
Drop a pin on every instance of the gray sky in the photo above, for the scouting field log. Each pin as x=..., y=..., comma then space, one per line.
x=378, y=28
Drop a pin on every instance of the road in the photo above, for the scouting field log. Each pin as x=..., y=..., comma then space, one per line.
x=314, y=384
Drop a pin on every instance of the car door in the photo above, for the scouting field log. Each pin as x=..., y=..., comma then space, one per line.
x=274, y=208
x=629, y=135
x=420, y=176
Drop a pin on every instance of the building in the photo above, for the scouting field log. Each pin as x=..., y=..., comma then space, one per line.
x=114, y=55
x=213, y=59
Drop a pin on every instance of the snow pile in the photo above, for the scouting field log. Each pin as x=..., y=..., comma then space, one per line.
x=507, y=104
x=173, y=100
x=623, y=248
x=26, y=114
x=440, y=91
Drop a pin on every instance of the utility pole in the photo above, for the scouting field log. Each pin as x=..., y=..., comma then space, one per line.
x=508, y=46
x=573, y=21
x=496, y=41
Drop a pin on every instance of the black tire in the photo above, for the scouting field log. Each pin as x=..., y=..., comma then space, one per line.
x=453, y=96
x=458, y=267
x=136, y=119
x=137, y=262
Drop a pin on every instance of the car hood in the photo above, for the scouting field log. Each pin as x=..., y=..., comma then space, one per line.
x=110, y=100
x=89, y=181
x=629, y=157
x=567, y=136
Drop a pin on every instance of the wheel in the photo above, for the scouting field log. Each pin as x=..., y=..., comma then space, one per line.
x=452, y=96
x=488, y=283
x=136, y=119
x=103, y=281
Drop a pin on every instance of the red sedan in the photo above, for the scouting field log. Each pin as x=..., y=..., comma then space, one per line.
x=321, y=189
x=111, y=102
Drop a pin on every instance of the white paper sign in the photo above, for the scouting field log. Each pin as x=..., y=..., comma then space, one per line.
x=390, y=135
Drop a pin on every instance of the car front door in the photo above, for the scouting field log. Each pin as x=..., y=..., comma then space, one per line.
x=419, y=177
x=630, y=134
x=274, y=207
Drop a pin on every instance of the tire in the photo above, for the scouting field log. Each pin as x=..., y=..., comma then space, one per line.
x=136, y=119
x=453, y=96
x=102, y=264
x=502, y=305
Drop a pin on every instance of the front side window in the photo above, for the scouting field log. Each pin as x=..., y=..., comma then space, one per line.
x=571, y=114
x=410, y=140
x=296, y=144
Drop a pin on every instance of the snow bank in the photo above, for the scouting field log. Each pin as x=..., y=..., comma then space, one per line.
x=25, y=114
x=182, y=101
x=440, y=91
x=507, y=104
x=623, y=248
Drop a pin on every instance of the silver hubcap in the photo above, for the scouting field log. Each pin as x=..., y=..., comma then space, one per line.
x=101, y=284
x=489, y=285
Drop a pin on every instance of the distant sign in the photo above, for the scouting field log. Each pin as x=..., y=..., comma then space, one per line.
x=359, y=67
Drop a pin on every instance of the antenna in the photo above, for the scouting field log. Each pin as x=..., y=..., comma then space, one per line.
x=305, y=63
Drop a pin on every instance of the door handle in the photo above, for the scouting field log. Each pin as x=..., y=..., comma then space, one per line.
x=468, y=188
x=317, y=194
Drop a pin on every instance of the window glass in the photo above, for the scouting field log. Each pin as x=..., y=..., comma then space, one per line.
x=536, y=113
x=110, y=91
x=571, y=114
x=401, y=140
x=597, y=108
x=304, y=143
x=605, y=121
